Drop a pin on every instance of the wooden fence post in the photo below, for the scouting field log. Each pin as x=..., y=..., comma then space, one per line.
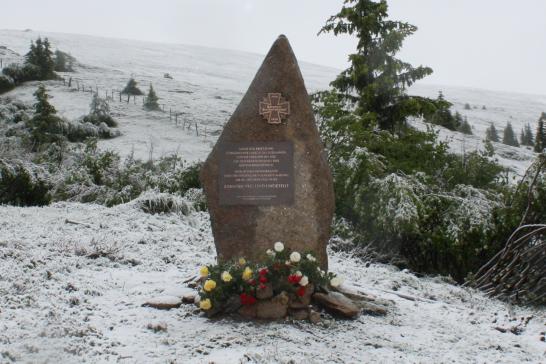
x=176, y=118
x=134, y=99
x=120, y=96
x=196, y=131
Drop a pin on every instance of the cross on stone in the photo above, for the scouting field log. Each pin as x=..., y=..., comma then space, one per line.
x=274, y=107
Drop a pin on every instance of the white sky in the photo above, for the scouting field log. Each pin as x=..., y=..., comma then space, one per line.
x=493, y=44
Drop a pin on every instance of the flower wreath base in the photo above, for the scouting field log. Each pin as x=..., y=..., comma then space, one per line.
x=286, y=284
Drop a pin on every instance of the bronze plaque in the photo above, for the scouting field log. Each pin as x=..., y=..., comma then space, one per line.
x=257, y=173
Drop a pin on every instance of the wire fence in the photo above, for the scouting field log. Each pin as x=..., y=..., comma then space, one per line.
x=113, y=95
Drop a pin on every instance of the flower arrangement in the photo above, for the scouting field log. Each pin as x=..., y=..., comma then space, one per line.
x=282, y=270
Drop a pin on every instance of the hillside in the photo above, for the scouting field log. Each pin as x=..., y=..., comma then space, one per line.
x=73, y=277
x=207, y=85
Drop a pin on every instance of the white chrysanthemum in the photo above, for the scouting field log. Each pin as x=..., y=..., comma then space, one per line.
x=304, y=281
x=336, y=281
x=295, y=257
x=311, y=258
x=279, y=247
x=298, y=273
x=270, y=253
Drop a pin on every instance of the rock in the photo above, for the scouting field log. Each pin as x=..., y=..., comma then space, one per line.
x=189, y=298
x=265, y=293
x=163, y=302
x=273, y=309
x=304, y=301
x=372, y=308
x=248, y=311
x=275, y=117
x=314, y=317
x=337, y=303
x=299, y=314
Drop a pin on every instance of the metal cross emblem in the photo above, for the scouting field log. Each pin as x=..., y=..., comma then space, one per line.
x=274, y=107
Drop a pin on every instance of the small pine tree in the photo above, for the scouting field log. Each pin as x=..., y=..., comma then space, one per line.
x=540, y=139
x=63, y=62
x=467, y=106
x=44, y=126
x=465, y=127
x=509, y=137
x=132, y=88
x=491, y=133
x=151, y=102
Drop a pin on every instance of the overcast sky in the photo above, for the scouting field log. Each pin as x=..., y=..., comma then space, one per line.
x=493, y=44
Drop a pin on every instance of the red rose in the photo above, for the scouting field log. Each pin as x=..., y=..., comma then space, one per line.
x=262, y=286
x=294, y=278
x=300, y=291
x=252, y=282
x=263, y=279
x=263, y=271
x=247, y=299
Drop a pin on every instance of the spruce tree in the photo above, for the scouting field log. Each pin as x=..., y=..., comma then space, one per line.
x=44, y=125
x=540, y=139
x=509, y=137
x=491, y=133
x=132, y=88
x=151, y=102
x=465, y=127
x=376, y=80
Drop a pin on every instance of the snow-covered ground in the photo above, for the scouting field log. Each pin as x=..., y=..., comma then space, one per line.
x=61, y=303
x=57, y=304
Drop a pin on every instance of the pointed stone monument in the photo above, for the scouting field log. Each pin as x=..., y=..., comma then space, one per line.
x=267, y=178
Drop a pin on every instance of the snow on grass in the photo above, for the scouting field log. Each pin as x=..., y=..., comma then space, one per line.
x=74, y=277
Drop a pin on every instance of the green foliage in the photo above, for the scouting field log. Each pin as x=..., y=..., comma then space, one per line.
x=45, y=126
x=101, y=177
x=23, y=184
x=526, y=136
x=132, y=88
x=509, y=137
x=64, y=62
x=465, y=127
x=434, y=214
x=491, y=134
x=540, y=139
x=376, y=80
x=151, y=101
x=443, y=116
x=100, y=112
x=6, y=84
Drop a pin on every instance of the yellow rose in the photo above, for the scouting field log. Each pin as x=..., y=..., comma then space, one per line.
x=247, y=274
x=209, y=285
x=205, y=304
x=226, y=277
x=242, y=261
x=204, y=271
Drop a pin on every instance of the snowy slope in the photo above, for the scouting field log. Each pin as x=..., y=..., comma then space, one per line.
x=59, y=305
x=209, y=83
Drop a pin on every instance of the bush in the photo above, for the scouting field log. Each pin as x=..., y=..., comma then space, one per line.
x=23, y=184
x=6, y=84
x=131, y=88
x=162, y=203
x=408, y=198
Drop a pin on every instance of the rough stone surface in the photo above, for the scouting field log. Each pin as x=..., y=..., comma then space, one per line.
x=299, y=314
x=304, y=301
x=273, y=309
x=265, y=293
x=249, y=230
x=189, y=298
x=163, y=302
x=248, y=312
x=337, y=303
x=314, y=317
